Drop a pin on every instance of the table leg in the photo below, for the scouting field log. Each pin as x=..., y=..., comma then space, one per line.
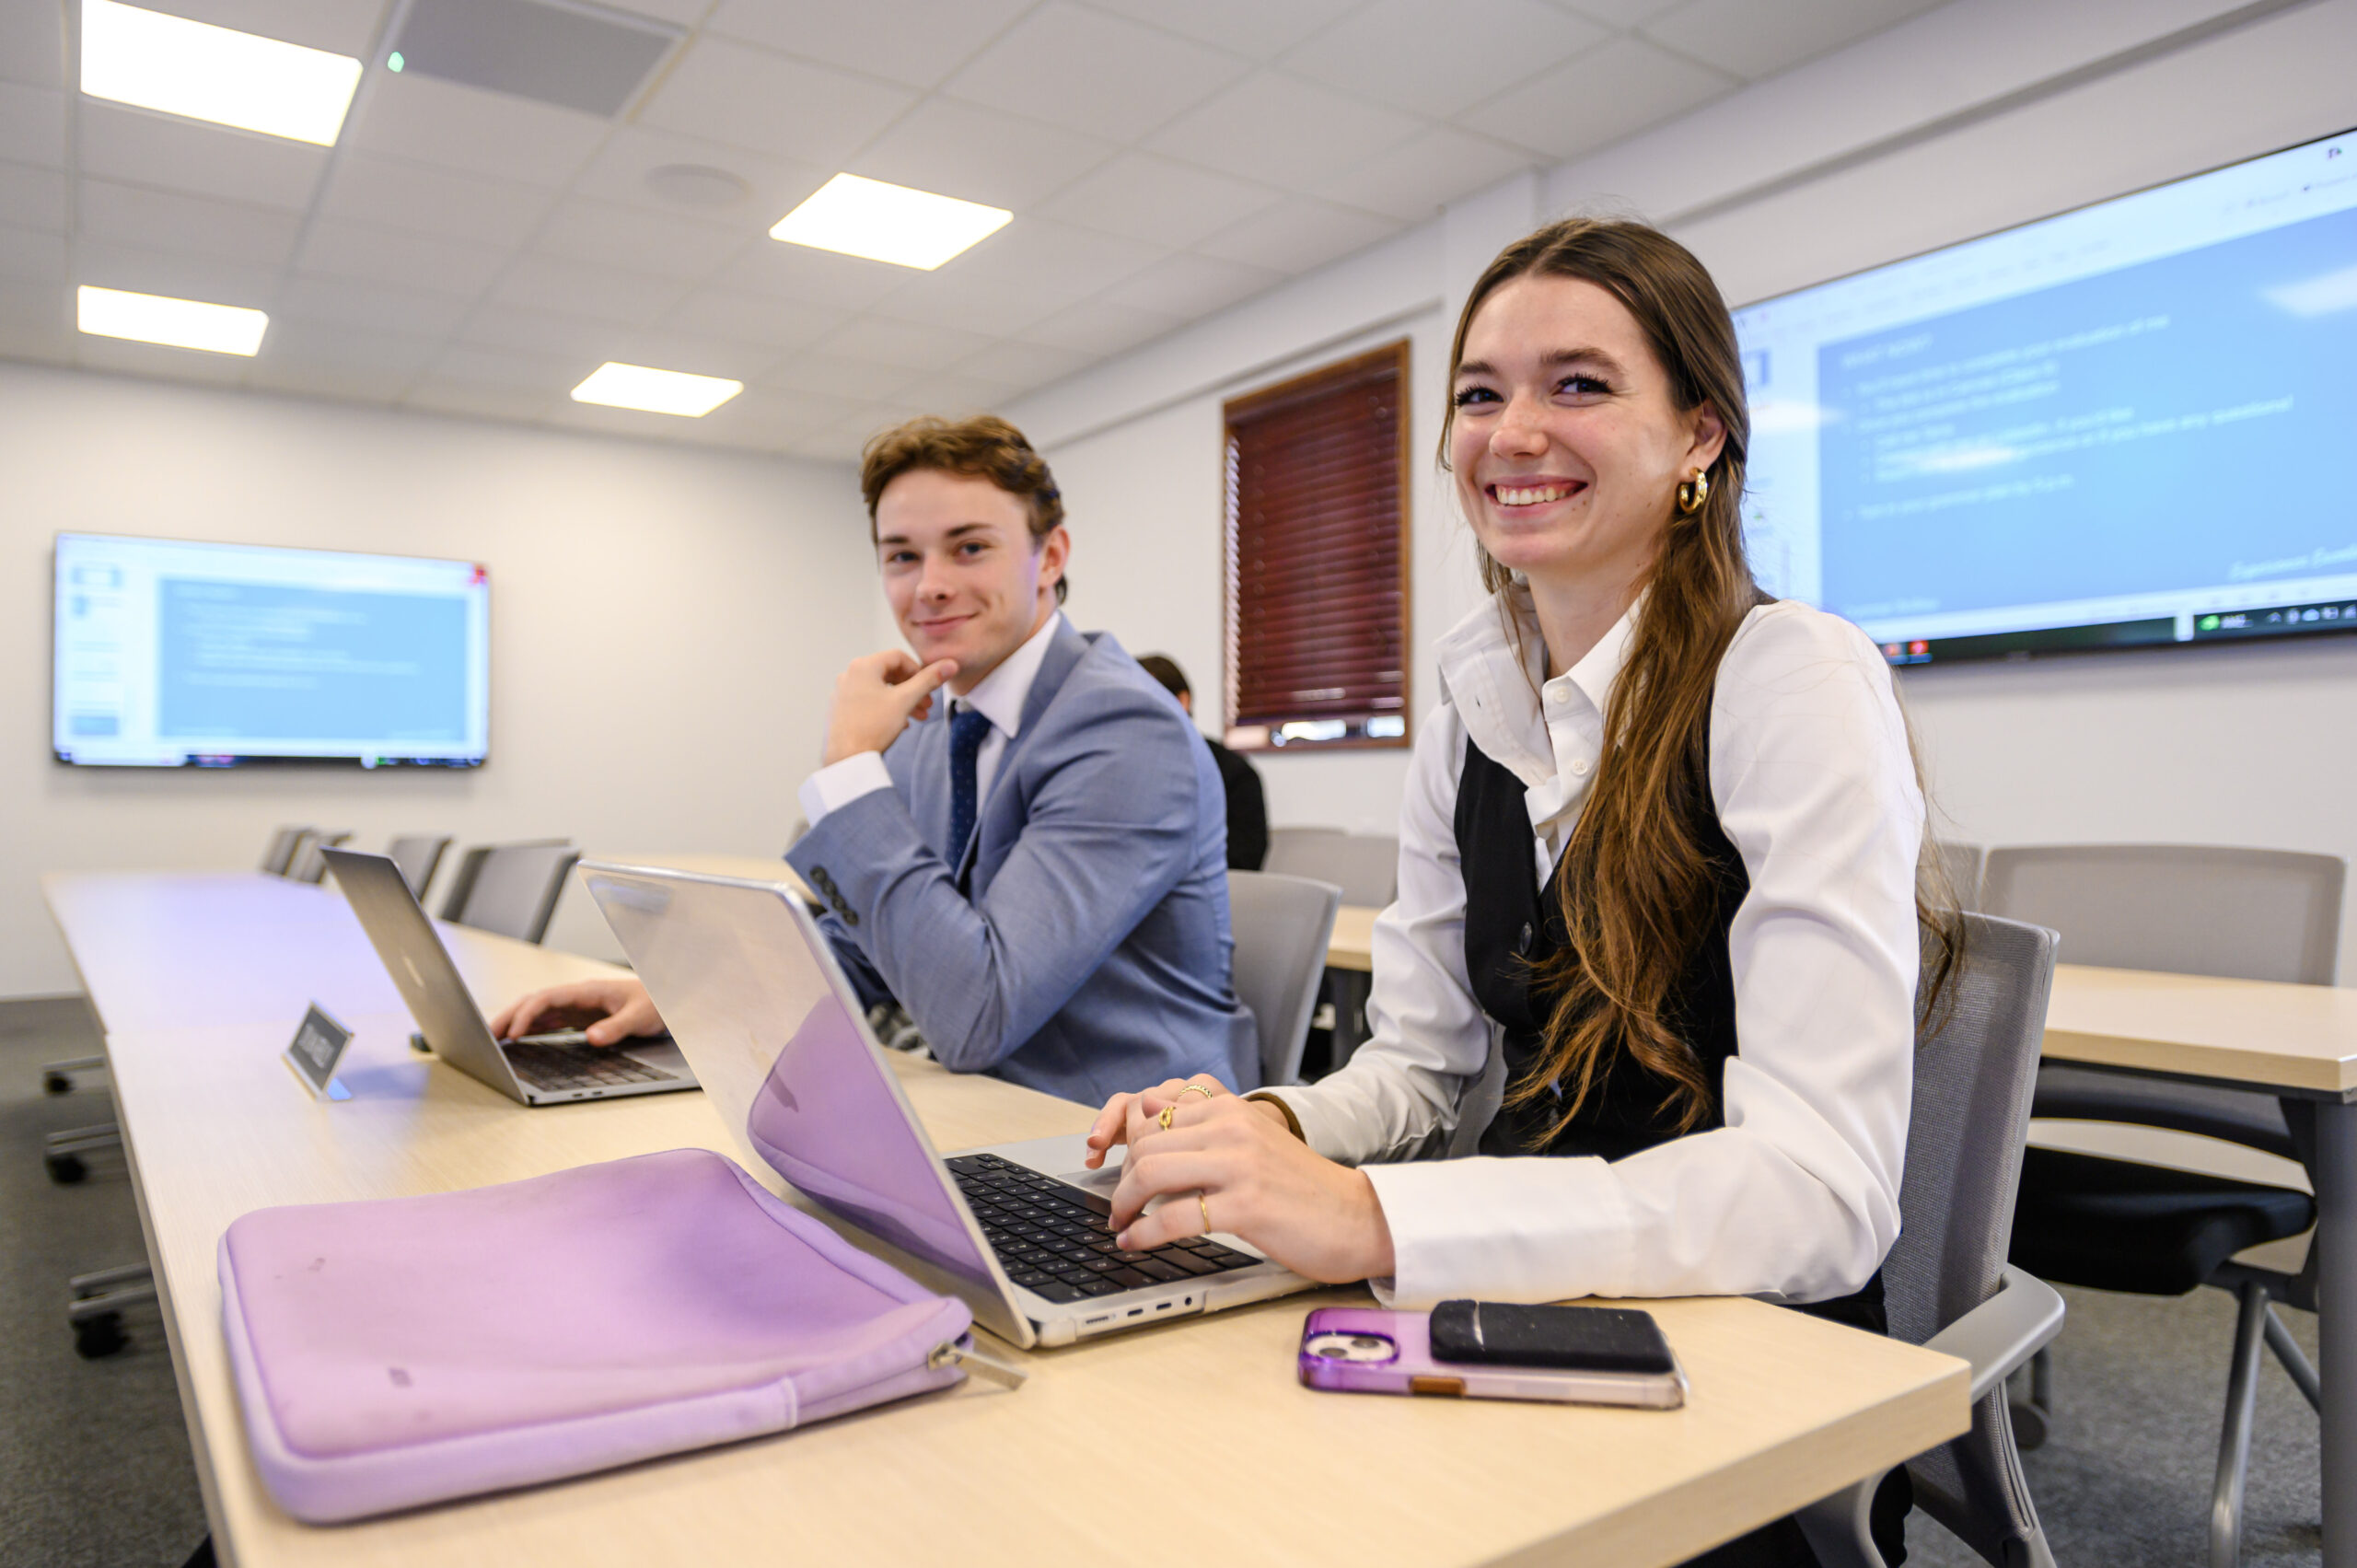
x=2334, y=1173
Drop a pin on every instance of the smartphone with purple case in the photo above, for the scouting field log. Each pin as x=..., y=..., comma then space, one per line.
x=1364, y=1350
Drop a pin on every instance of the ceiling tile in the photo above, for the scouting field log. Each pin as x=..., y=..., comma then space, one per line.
x=823, y=375
x=427, y=200
x=325, y=344
x=32, y=198
x=164, y=220
x=767, y=416
x=552, y=376
x=558, y=346
x=607, y=420
x=877, y=340
x=1094, y=72
x=337, y=249
x=636, y=239
x=1752, y=40
x=477, y=400
x=828, y=445
x=774, y=186
x=914, y=42
x=127, y=358
x=1411, y=180
x=32, y=43
x=1560, y=115
x=1285, y=130
x=750, y=317
x=32, y=125
x=602, y=293
x=1019, y=364
x=420, y=120
x=1098, y=329
x=807, y=276
x=1192, y=286
x=36, y=322
x=1439, y=57
x=1617, y=14
x=33, y=256
x=980, y=155
x=686, y=13
x=750, y=97
x=1259, y=28
x=1143, y=197
x=180, y=274
x=1298, y=236
x=370, y=307
x=955, y=396
x=666, y=350
x=1025, y=271
x=140, y=148
x=310, y=378
x=340, y=27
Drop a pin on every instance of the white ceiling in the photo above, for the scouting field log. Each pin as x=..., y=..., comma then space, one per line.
x=479, y=254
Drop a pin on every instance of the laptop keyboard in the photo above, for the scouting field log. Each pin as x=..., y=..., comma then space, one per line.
x=1056, y=1239
x=557, y=1068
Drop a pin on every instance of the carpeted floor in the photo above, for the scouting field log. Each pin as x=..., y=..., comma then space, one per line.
x=94, y=1457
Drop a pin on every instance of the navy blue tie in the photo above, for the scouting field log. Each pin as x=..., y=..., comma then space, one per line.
x=967, y=727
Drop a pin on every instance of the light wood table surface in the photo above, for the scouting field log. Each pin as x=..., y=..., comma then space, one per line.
x=1353, y=945
x=1183, y=1444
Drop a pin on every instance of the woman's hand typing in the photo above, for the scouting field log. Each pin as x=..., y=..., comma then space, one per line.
x=1238, y=1160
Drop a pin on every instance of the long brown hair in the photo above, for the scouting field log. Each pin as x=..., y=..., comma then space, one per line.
x=1638, y=891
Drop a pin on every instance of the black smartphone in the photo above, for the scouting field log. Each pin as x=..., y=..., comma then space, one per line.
x=1581, y=1338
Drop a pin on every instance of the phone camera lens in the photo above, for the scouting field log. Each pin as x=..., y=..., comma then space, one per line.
x=1332, y=1353
x=1366, y=1341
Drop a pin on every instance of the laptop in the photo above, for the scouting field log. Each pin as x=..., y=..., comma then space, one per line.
x=551, y=1069
x=780, y=1041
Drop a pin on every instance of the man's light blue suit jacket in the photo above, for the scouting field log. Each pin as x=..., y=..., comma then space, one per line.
x=1089, y=952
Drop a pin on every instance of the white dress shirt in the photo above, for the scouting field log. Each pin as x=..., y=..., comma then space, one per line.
x=999, y=695
x=1797, y=1196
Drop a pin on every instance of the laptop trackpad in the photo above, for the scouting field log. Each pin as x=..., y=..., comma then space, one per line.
x=1066, y=1159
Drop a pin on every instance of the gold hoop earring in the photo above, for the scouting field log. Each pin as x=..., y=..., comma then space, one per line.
x=1693, y=493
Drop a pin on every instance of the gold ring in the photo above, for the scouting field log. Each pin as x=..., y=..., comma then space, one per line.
x=1167, y=1112
x=1194, y=1089
x=1204, y=1203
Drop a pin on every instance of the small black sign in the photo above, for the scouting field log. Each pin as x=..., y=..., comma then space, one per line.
x=319, y=1046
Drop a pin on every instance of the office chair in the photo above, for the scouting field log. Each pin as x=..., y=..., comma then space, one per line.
x=283, y=844
x=1365, y=867
x=511, y=889
x=2148, y=1230
x=1946, y=1284
x=1282, y=925
x=418, y=855
x=307, y=863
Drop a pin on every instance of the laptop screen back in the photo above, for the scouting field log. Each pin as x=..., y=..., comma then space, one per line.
x=743, y=978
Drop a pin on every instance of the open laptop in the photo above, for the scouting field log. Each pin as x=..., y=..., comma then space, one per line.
x=553, y=1069
x=1019, y=1232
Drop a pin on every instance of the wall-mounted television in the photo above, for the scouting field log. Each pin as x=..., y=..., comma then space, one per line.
x=2121, y=426
x=172, y=654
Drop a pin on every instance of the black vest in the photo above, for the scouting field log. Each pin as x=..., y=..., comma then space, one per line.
x=1512, y=925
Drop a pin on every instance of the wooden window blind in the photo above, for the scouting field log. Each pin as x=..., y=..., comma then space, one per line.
x=1317, y=582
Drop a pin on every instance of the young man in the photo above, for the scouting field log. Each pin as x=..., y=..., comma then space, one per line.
x=1033, y=863
x=1248, y=803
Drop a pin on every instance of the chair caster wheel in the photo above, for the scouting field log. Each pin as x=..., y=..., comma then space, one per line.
x=65, y=1169
x=102, y=1335
x=2029, y=1425
x=56, y=1084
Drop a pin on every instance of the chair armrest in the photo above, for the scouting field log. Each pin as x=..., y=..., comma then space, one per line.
x=2004, y=1331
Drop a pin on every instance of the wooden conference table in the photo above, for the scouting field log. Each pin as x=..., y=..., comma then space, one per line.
x=1182, y=1445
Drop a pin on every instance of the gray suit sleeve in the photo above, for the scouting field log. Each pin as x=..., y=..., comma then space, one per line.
x=1111, y=830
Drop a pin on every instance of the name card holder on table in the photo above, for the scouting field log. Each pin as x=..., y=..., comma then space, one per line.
x=318, y=1047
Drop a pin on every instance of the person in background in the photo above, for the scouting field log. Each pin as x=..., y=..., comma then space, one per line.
x=1247, y=804
x=1034, y=867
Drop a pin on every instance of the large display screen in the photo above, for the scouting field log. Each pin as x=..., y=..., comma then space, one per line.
x=2118, y=426
x=171, y=654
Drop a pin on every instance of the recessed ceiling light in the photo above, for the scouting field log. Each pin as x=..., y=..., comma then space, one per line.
x=697, y=185
x=888, y=223
x=207, y=72
x=180, y=323
x=656, y=391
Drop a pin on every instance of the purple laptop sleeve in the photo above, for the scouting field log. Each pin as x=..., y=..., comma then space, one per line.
x=412, y=1350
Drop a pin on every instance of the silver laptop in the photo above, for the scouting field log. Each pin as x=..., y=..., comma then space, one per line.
x=550, y=1069
x=1019, y=1232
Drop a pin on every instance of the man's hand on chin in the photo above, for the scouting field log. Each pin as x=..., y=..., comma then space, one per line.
x=874, y=699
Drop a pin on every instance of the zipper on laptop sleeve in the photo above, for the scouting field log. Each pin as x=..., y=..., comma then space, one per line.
x=979, y=1363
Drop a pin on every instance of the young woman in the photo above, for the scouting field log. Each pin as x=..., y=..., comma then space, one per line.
x=1659, y=844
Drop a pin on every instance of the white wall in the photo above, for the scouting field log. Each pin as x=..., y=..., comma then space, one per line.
x=665, y=625
x=1981, y=114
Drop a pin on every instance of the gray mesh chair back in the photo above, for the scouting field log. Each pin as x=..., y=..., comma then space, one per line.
x=282, y=846
x=416, y=855
x=2245, y=913
x=1975, y=1063
x=515, y=889
x=1365, y=867
x=308, y=865
x=1281, y=926
x=462, y=881
x=1962, y=864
